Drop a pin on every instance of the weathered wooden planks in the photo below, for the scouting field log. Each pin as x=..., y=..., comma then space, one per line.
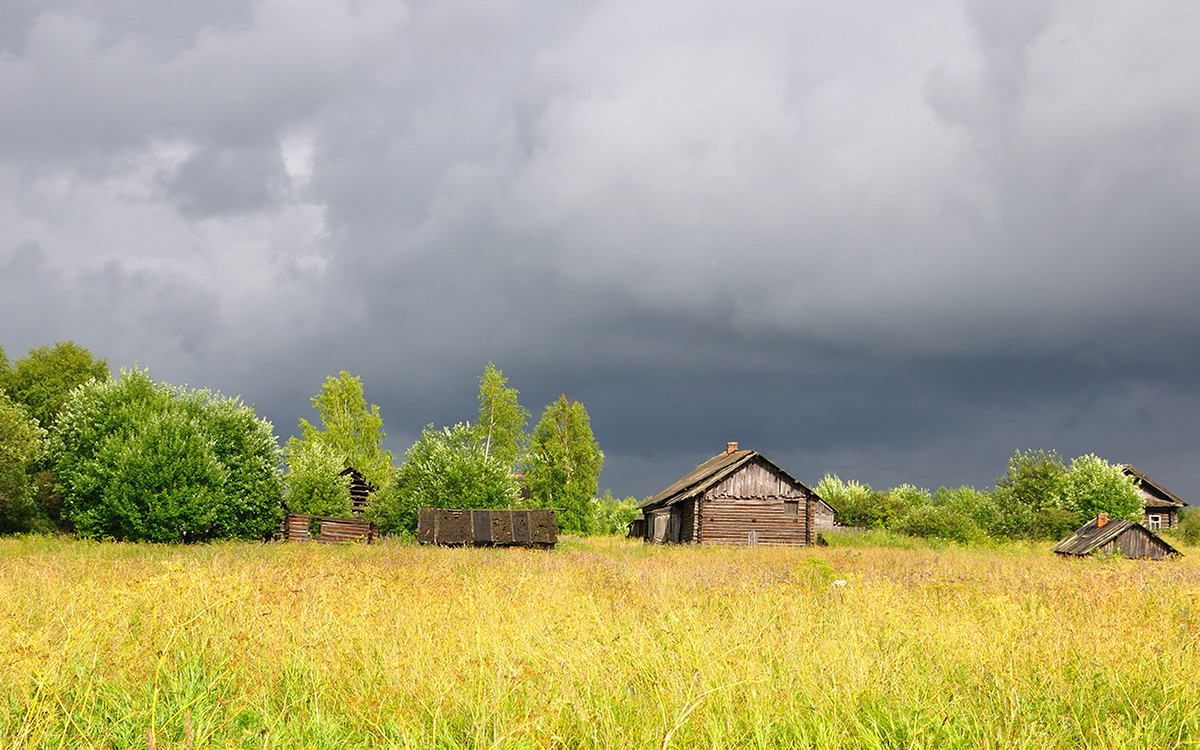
x=524, y=527
x=300, y=527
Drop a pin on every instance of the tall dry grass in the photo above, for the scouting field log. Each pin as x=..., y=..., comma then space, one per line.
x=601, y=643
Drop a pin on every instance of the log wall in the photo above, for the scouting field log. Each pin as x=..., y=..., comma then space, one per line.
x=296, y=528
x=1136, y=544
x=763, y=520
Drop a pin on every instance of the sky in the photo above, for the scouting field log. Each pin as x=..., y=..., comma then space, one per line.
x=892, y=240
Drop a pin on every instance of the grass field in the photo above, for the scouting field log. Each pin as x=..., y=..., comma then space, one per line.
x=602, y=643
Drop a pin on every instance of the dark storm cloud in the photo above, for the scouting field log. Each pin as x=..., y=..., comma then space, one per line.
x=216, y=181
x=896, y=240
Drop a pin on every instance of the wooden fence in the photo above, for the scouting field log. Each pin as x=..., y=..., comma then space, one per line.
x=516, y=527
x=298, y=527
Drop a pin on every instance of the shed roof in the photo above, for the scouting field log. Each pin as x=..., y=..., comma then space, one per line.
x=711, y=473
x=1153, y=494
x=1090, y=537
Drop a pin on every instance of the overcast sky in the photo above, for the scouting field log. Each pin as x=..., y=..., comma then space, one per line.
x=895, y=240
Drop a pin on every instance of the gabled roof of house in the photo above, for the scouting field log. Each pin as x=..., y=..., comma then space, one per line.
x=711, y=473
x=1090, y=537
x=1154, y=494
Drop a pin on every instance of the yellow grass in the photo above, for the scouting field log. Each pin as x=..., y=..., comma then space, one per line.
x=602, y=643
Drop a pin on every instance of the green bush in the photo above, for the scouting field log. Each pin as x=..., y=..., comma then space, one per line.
x=445, y=469
x=611, y=515
x=314, y=482
x=20, y=447
x=138, y=460
x=1093, y=485
x=1053, y=523
x=856, y=504
x=938, y=522
x=1189, y=527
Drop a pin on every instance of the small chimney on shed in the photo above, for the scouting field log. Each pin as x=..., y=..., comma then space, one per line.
x=1101, y=519
x=731, y=447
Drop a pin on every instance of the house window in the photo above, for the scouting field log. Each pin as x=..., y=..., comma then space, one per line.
x=791, y=507
x=1154, y=522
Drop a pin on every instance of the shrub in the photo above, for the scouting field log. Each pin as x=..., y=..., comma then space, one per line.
x=1189, y=527
x=314, y=482
x=855, y=503
x=611, y=515
x=1093, y=485
x=1053, y=523
x=143, y=461
x=938, y=522
x=20, y=447
x=447, y=469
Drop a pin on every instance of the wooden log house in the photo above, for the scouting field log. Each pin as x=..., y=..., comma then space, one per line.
x=1108, y=536
x=736, y=497
x=1160, y=507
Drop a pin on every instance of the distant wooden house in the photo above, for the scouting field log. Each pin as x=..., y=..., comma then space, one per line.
x=736, y=497
x=1105, y=536
x=1160, y=505
x=360, y=490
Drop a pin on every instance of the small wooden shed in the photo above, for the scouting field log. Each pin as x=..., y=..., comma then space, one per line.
x=735, y=497
x=1120, y=536
x=1160, y=505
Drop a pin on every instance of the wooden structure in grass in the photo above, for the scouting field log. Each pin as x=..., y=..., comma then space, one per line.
x=1160, y=507
x=736, y=497
x=360, y=490
x=1115, y=536
x=301, y=527
x=511, y=527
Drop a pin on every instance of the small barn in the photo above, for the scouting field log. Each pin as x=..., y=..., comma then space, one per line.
x=1105, y=536
x=1160, y=505
x=735, y=497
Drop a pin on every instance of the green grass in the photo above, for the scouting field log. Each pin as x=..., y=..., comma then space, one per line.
x=602, y=643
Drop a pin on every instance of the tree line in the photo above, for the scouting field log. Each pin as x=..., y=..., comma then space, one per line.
x=1040, y=496
x=134, y=459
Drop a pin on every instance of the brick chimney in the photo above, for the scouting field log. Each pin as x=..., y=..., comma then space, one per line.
x=1101, y=519
x=730, y=448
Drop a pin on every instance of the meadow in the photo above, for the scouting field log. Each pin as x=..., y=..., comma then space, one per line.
x=601, y=643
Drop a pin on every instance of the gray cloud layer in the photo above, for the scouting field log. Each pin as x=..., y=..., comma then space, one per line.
x=892, y=240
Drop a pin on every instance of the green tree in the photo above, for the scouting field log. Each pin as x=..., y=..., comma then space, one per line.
x=564, y=464
x=611, y=515
x=976, y=505
x=856, y=503
x=502, y=419
x=145, y=461
x=1028, y=497
x=314, y=482
x=1093, y=485
x=43, y=379
x=444, y=468
x=20, y=446
x=942, y=522
x=352, y=435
